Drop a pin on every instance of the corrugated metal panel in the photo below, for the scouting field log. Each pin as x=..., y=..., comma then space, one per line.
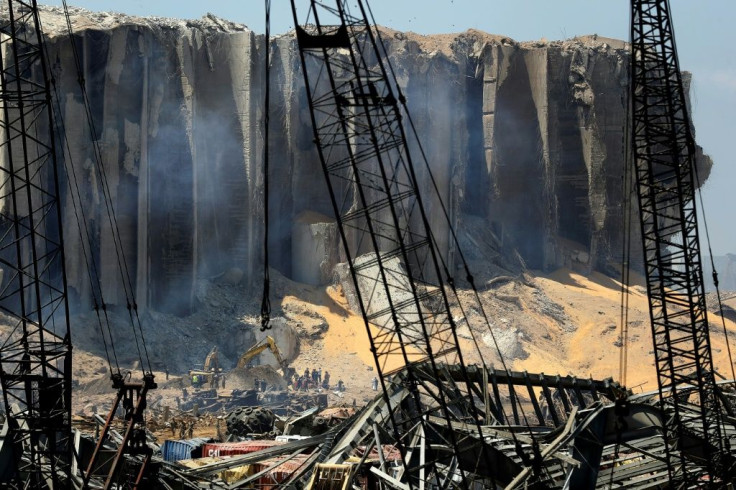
x=173, y=450
x=281, y=473
x=230, y=475
x=237, y=473
x=198, y=462
x=233, y=448
x=390, y=453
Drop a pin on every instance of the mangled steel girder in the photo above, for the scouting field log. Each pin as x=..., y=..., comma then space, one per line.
x=551, y=397
x=597, y=443
x=501, y=445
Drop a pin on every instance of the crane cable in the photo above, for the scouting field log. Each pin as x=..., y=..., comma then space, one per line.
x=112, y=218
x=76, y=200
x=469, y=277
x=266, y=300
x=713, y=268
x=92, y=271
x=625, y=281
x=627, y=190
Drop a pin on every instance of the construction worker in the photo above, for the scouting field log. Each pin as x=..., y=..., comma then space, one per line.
x=220, y=435
x=374, y=383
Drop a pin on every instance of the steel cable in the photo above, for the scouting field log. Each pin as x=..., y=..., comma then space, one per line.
x=266, y=300
x=626, y=215
x=469, y=277
x=91, y=269
x=713, y=268
x=114, y=228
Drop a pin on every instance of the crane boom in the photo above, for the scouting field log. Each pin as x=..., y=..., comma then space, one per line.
x=402, y=283
x=35, y=357
x=212, y=361
x=267, y=342
x=665, y=167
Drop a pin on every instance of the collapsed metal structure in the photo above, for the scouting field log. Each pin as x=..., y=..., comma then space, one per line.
x=357, y=118
x=355, y=105
x=585, y=437
x=454, y=425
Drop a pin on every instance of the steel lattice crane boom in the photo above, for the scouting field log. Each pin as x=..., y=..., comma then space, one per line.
x=400, y=280
x=665, y=167
x=35, y=358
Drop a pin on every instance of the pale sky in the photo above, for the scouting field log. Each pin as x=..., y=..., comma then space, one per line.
x=703, y=32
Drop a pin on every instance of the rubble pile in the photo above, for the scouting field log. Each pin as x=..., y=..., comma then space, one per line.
x=354, y=446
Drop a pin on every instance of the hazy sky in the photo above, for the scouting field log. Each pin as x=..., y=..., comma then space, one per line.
x=703, y=32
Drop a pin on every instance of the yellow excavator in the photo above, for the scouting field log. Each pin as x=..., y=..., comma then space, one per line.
x=209, y=372
x=266, y=343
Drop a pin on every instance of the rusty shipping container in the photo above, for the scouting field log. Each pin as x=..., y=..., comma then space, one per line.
x=281, y=473
x=235, y=448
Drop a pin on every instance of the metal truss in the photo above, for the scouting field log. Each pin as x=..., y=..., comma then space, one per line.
x=35, y=355
x=664, y=156
x=589, y=434
x=398, y=275
x=133, y=443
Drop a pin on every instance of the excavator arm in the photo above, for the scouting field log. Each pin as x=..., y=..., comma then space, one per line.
x=288, y=372
x=252, y=352
x=212, y=361
x=267, y=343
x=209, y=371
x=275, y=350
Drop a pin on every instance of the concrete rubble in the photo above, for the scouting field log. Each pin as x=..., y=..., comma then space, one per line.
x=538, y=429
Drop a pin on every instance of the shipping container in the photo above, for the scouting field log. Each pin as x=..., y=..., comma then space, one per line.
x=186, y=449
x=281, y=473
x=234, y=448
